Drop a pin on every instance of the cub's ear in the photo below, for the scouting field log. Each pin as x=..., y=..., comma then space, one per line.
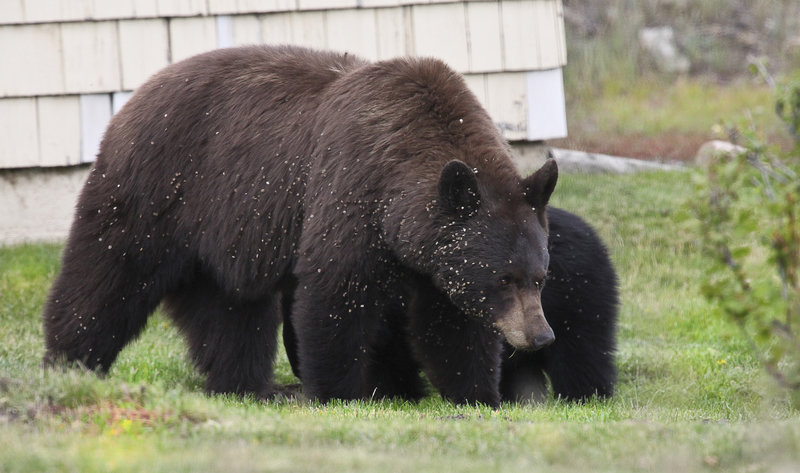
x=539, y=185
x=458, y=189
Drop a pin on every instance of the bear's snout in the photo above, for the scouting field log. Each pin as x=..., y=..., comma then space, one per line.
x=543, y=339
x=524, y=325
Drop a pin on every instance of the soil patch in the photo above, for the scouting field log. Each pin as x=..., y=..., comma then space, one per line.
x=664, y=147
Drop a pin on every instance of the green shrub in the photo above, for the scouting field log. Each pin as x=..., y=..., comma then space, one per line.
x=748, y=208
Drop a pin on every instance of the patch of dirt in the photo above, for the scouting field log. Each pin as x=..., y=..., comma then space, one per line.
x=665, y=147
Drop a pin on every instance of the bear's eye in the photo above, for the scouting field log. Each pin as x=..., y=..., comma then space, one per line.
x=504, y=281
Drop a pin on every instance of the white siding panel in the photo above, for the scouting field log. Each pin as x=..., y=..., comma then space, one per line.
x=352, y=31
x=507, y=104
x=112, y=9
x=477, y=84
x=547, y=34
x=30, y=58
x=247, y=6
x=225, y=35
x=190, y=36
x=59, y=130
x=520, y=43
x=144, y=49
x=18, y=133
x=533, y=35
x=379, y=3
x=440, y=31
x=118, y=100
x=485, y=37
x=561, y=37
x=75, y=9
x=326, y=4
x=223, y=7
x=57, y=10
x=12, y=11
x=277, y=28
x=391, y=32
x=547, y=117
x=91, y=57
x=95, y=115
x=308, y=29
x=182, y=7
x=246, y=29
x=144, y=8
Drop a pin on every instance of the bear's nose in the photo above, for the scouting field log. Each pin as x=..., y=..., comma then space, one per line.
x=543, y=339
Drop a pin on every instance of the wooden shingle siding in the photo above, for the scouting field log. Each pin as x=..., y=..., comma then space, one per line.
x=30, y=58
x=142, y=49
x=190, y=36
x=95, y=112
x=59, y=130
x=485, y=36
x=342, y=36
x=72, y=62
x=19, y=132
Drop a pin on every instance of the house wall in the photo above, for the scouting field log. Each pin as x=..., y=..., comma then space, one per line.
x=67, y=66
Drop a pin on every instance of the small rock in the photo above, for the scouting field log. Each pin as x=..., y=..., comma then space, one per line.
x=660, y=43
x=711, y=460
x=716, y=149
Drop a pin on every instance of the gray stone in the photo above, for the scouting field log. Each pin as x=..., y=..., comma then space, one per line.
x=716, y=149
x=531, y=156
x=659, y=42
x=580, y=162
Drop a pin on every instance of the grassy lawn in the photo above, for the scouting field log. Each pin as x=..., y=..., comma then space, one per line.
x=666, y=120
x=620, y=103
x=691, y=397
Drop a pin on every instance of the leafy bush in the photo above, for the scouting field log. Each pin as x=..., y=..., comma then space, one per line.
x=748, y=208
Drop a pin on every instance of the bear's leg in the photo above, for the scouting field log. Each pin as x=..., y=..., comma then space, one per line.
x=581, y=302
x=351, y=344
x=100, y=301
x=460, y=355
x=580, y=367
x=231, y=341
x=522, y=377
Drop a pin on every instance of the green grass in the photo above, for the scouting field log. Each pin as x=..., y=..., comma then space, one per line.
x=682, y=106
x=618, y=102
x=691, y=396
x=674, y=115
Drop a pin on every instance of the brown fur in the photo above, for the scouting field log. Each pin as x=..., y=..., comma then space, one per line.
x=235, y=176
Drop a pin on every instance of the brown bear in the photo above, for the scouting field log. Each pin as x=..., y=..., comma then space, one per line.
x=376, y=203
x=581, y=300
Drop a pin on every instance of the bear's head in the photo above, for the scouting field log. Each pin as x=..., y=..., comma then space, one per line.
x=492, y=253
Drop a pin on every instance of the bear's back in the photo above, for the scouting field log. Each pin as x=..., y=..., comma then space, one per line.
x=212, y=155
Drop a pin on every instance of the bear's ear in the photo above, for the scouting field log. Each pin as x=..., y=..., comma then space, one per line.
x=458, y=189
x=540, y=185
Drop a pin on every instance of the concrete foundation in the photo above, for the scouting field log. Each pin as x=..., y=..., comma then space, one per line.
x=37, y=204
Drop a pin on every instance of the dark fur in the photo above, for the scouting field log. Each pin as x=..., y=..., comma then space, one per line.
x=234, y=177
x=580, y=301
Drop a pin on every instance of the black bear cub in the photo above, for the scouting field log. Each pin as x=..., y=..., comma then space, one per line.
x=580, y=300
x=376, y=203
